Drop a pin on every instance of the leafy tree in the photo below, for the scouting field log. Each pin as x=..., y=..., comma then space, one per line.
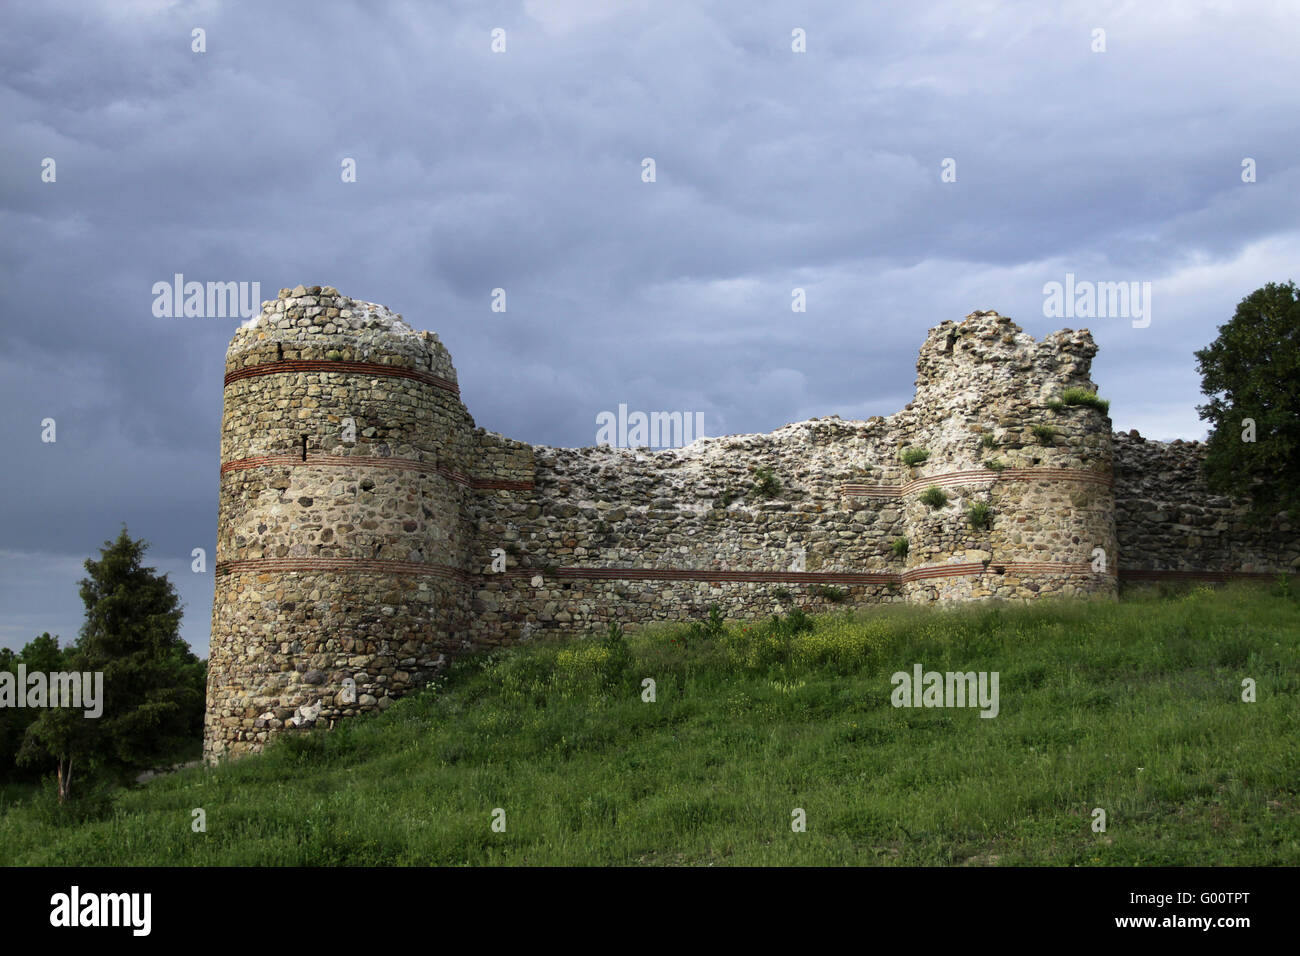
x=153, y=684
x=64, y=734
x=41, y=654
x=1251, y=372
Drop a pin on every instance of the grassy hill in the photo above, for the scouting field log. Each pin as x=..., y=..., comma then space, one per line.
x=1133, y=707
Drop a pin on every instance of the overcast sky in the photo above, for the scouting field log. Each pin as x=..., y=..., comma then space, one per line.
x=522, y=170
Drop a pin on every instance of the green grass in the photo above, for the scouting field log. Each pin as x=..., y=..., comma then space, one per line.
x=1082, y=396
x=979, y=514
x=1133, y=707
x=914, y=456
x=934, y=496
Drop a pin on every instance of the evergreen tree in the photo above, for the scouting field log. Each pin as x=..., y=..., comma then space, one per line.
x=153, y=684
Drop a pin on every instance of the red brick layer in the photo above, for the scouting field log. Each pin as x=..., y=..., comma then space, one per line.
x=295, y=366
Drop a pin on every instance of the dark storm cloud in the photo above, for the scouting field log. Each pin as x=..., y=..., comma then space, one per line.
x=521, y=170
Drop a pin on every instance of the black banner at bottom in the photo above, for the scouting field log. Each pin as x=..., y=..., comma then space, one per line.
x=617, y=907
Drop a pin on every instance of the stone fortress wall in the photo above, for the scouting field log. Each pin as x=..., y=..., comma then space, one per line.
x=352, y=564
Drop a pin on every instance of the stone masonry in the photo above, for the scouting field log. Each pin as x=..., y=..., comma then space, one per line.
x=368, y=532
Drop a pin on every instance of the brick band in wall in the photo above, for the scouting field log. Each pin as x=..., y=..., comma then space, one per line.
x=975, y=475
x=295, y=366
x=373, y=461
x=996, y=567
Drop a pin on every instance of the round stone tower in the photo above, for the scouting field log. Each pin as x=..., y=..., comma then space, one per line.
x=341, y=551
x=1028, y=478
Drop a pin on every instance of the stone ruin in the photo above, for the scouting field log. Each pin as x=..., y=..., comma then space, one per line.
x=368, y=532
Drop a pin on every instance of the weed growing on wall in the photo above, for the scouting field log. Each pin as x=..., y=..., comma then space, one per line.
x=1081, y=396
x=830, y=593
x=934, y=496
x=766, y=484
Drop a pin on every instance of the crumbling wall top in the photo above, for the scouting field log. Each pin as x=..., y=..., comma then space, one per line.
x=987, y=356
x=321, y=322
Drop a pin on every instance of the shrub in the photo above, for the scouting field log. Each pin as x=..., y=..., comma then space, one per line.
x=712, y=626
x=994, y=465
x=766, y=483
x=830, y=592
x=988, y=441
x=914, y=456
x=979, y=514
x=796, y=622
x=1044, y=433
x=1081, y=396
x=618, y=655
x=934, y=496
x=899, y=547
x=783, y=595
x=1056, y=405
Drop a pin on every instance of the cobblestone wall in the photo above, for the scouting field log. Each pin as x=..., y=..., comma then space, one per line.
x=342, y=544
x=1171, y=525
x=368, y=532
